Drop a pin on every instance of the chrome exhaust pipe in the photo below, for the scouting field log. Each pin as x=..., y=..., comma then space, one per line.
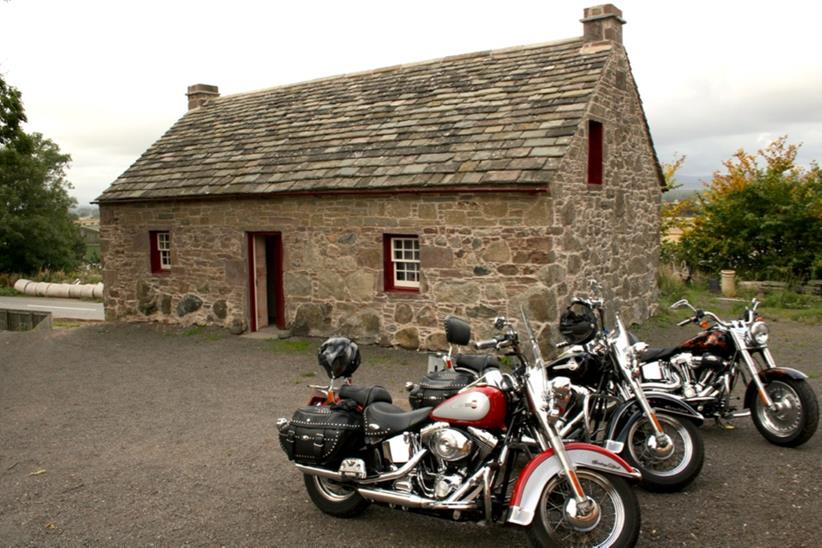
x=388, y=476
x=412, y=501
x=664, y=386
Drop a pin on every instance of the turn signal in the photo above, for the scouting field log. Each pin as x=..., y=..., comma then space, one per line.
x=704, y=324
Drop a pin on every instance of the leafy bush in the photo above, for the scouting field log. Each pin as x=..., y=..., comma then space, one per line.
x=765, y=222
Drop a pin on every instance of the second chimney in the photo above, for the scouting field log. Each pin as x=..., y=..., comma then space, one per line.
x=198, y=94
x=602, y=24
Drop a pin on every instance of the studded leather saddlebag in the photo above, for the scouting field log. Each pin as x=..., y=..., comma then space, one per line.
x=322, y=436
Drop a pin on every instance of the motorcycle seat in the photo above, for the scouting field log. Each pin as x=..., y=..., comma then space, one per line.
x=653, y=354
x=383, y=420
x=477, y=362
x=364, y=395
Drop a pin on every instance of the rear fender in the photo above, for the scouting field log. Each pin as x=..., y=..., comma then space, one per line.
x=630, y=410
x=539, y=471
x=768, y=375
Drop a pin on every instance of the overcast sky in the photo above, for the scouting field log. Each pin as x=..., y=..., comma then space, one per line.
x=105, y=79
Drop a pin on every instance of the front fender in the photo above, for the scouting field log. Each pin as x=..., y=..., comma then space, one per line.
x=661, y=401
x=539, y=471
x=768, y=375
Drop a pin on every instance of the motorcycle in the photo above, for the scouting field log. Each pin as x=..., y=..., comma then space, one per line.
x=461, y=458
x=705, y=369
x=655, y=432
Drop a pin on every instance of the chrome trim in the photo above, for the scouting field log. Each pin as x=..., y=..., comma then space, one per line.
x=412, y=501
x=388, y=476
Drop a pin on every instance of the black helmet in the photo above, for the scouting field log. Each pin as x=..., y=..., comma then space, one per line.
x=578, y=324
x=339, y=357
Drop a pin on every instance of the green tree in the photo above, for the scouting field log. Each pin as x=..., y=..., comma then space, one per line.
x=36, y=228
x=765, y=221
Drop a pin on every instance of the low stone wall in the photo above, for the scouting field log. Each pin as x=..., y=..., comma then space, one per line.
x=813, y=287
x=23, y=320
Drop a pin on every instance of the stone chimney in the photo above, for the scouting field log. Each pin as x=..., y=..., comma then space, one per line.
x=198, y=94
x=602, y=25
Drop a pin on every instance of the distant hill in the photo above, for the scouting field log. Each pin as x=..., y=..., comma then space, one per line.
x=86, y=211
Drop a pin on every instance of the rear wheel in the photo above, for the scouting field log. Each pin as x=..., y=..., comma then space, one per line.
x=795, y=415
x=618, y=522
x=334, y=498
x=672, y=472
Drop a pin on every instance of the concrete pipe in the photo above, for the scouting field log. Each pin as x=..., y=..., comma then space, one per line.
x=39, y=289
x=58, y=290
x=20, y=285
x=98, y=291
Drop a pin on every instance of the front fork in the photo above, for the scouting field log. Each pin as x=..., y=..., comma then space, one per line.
x=751, y=364
x=662, y=444
x=548, y=438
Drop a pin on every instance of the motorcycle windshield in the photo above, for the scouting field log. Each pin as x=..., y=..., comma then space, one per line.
x=620, y=344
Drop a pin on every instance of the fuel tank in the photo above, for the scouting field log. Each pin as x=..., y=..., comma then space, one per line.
x=711, y=341
x=481, y=406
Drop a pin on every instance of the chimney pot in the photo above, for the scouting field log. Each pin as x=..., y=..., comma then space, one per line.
x=602, y=24
x=198, y=94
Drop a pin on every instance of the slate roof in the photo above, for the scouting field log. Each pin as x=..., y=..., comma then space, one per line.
x=492, y=118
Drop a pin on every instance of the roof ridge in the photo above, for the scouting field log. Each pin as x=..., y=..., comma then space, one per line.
x=459, y=56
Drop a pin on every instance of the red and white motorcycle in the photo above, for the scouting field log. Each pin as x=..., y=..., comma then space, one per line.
x=463, y=458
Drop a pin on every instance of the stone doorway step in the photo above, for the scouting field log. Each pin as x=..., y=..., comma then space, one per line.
x=269, y=332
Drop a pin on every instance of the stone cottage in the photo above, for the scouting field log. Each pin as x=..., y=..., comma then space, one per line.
x=374, y=204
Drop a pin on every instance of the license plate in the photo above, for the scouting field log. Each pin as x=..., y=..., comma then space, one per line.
x=436, y=362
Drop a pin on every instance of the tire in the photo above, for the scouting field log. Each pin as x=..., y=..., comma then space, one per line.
x=335, y=499
x=675, y=472
x=790, y=426
x=619, y=523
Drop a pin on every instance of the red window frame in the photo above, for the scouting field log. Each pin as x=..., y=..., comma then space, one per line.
x=388, y=263
x=595, y=153
x=157, y=266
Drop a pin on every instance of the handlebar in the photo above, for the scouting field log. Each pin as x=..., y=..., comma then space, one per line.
x=482, y=345
x=685, y=322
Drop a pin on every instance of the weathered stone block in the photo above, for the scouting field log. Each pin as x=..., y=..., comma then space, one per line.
x=189, y=303
x=408, y=338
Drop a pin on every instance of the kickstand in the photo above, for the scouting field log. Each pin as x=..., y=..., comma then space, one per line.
x=725, y=424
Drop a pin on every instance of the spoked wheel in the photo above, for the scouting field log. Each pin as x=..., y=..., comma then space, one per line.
x=334, y=498
x=616, y=525
x=795, y=415
x=661, y=472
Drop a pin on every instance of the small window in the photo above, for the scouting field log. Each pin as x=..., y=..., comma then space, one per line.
x=402, y=263
x=160, y=251
x=595, y=155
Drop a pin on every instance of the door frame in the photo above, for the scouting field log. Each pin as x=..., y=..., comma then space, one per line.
x=279, y=293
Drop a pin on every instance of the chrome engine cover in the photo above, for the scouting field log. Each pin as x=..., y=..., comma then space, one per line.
x=450, y=444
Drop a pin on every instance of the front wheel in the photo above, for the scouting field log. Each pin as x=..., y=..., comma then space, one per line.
x=617, y=524
x=665, y=473
x=333, y=498
x=795, y=415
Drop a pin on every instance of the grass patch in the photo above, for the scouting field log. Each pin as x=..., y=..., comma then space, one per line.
x=204, y=332
x=65, y=323
x=8, y=292
x=786, y=304
x=288, y=346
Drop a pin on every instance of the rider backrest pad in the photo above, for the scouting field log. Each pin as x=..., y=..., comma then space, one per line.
x=457, y=331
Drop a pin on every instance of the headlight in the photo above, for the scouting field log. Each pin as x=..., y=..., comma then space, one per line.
x=759, y=333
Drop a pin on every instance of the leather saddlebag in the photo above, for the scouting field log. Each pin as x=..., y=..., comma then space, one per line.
x=322, y=436
x=438, y=386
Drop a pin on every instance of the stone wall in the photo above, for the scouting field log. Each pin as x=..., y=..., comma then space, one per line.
x=481, y=254
x=611, y=231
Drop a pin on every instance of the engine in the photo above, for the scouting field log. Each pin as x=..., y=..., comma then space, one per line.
x=453, y=455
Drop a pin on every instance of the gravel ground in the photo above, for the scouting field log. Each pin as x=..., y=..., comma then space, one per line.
x=147, y=435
